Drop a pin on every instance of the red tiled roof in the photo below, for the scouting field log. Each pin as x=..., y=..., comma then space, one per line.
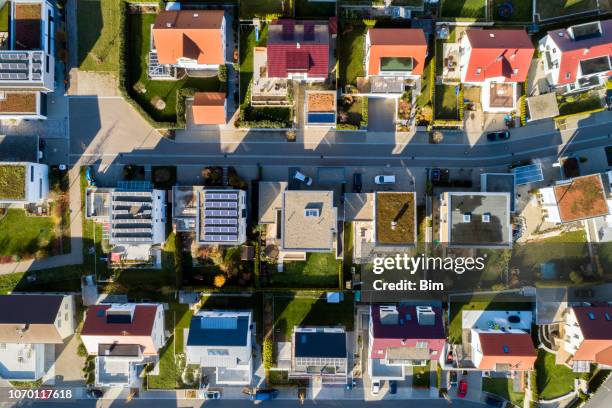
x=598, y=327
x=141, y=325
x=397, y=42
x=514, y=349
x=572, y=52
x=189, y=34
x=297, y=61
x=209, y=108
x=498, y=53
x=279, y=55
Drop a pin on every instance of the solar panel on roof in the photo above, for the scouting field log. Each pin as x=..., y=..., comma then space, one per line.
x=220, y=204
x=221, y=229
x=531, y=173
x=221, y=196
x=221, y=221
x=225, y=323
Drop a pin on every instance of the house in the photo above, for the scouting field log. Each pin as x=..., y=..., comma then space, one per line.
x=401, y=337
x=221, y=340
x=31, y=326
x=137, y=220
x=502, y=351
x=586, y=336
x=319, y=353
x=215, y=216
x=298, y=50
x=27, y=60
x=124, y=338
x=209, y=108
x=497, y=60
x=188, y=39
x=575, y=199
x=394, y=56
x=578, y=57
x=476, y=219
x=23, y=183
x=298, y=221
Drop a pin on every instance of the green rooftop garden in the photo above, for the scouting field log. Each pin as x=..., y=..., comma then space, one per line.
x=12, y=182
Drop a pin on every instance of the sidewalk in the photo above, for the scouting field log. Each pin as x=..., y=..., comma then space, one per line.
x=75, y=257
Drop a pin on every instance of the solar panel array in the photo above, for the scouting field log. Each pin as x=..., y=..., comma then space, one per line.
x=219, y=222
x=20, y=66
x=531, y=173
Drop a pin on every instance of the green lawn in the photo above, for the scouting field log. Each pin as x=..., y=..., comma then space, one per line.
x=582, y=102
x=99, y=36
x=522, y=10
x=503, y=388
x=454, y=329
x=420, y=376
x=294, y=310
x=555, y=8
x=319, y=270
x=424, y=97
x=447, y=106
x=247, y=43
x=348, y=249
x=252, y=8
x=25, y=237
x=552, y=380
x=351, y=53
x=138, y=50
x=463, y=8
x=4, y=17
x=314, y=9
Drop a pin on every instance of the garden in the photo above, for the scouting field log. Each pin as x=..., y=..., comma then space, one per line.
x=511, y=10
x=98, y=24
x=578, y=103
x=552, y=380
x=351, y=40
x=352, y=112
x=158, y=98
x=447, y=102
x=504, y=388
x=464, y=9
x=548, y=9
x=319, y=270
x=264, y=8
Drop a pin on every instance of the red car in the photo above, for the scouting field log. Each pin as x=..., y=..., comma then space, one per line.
x=462, y=389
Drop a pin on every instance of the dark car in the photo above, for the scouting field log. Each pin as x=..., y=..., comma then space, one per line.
x=94, y=393
x=357, y=184
x=393, y=387
x=494, y=401
x=501, y=135
x=609, y=99
x=584, y=293
x=264, y=395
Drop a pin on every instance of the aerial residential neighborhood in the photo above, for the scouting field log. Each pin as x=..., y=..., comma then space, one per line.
x=331, y=202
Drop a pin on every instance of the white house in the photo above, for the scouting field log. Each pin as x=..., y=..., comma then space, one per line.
x=23, y=182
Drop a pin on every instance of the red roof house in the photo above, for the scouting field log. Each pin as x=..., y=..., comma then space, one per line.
x=209, y=108
x=298, y=48
x=406, y=333
x=503, y=55
x=594, y=337
x=510, y=351
x=578, y=51
x=386, y=48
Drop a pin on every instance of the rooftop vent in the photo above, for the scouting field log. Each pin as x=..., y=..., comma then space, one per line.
x=506, y=349
x=168, y=25
x=425, y=315
x=491, y=35
x=195, y=14
x=389, y=315
x=467, y=217
x=561, y=34
x=591, y=316
x=486, y=217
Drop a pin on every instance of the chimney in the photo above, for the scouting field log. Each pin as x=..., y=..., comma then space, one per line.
x=297, y=45
x=492, y=35
x=389, y=315
x=425, y=315
x=168, y=25
x=195, y=14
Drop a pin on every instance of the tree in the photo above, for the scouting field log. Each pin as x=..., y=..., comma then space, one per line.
x=291, y=135
x=437, y=136
x=576, y=277
x=222, y=74
x=219, y=281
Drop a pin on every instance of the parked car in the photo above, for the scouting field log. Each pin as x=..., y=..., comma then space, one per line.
x=264, y=395
x=392, y=387
x=357, y=184
x=494, y=401
x=452, y=381
x=303, y=178
x=584, y=293
x=609, y=99
x=501, y=135
x=212, y=395
x=375, y=387
x=94, y=393
x=463, y=387
x=382, y=179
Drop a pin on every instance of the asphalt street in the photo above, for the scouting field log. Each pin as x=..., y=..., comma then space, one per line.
x=603, y=397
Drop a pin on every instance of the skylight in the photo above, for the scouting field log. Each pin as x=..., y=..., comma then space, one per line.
x=506, y=349
x=591, y=315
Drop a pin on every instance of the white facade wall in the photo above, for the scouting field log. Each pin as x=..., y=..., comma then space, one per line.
x=573, y=334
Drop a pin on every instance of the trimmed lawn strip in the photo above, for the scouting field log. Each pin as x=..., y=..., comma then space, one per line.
x=99, y=36
x=291, y=310
x=139, y=33
x=464, y=9
x=503, y=388
x=4, y=17
x=552, y=380
x=447, y=103
x=454, y=328
x=351, y=53
x=319, y=270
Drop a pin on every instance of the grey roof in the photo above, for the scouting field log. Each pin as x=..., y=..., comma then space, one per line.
x=270, y=200
x=543, y=106
x=219, y=329
x=29, y=309
x=320, y=344
x=359, y=207
x=119, y=350
x=500, y=183
x=475, y=229
x=302, y=232
x=19, y=148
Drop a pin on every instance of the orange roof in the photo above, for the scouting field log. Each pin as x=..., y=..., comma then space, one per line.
x=514, y=349
x=209, y=108
x=193, y=34
x=583, y=197
x=397, y=42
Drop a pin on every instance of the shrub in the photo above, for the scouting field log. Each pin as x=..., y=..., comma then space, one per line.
x=267, y=353
x=437, y=136
x=222, y=74
x=219, y=281
x=346, y=126
x=576, y=277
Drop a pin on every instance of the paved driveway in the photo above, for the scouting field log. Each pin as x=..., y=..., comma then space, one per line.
x=68, y=365
x=381, y=114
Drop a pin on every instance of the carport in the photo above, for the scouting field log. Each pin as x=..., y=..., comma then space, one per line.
x=381, y=114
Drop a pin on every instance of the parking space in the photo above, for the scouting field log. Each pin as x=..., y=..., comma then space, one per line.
x=381, y=114
x=473, y=379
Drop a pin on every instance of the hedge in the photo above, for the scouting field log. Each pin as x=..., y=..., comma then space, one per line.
x=346, y=126
x=267, y=353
